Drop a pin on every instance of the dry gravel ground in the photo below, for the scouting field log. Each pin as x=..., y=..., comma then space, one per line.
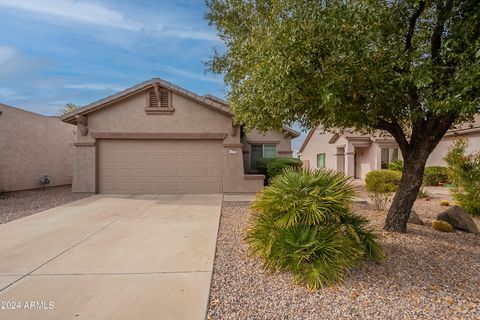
x=426, y=275
x=17, y=204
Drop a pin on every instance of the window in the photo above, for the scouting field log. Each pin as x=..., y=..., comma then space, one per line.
x=262, y=151
x=321, y=160
x=269, y=151
x=389, y=155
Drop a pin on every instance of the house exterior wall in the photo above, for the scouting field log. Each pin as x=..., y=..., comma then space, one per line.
x=32, y=145
x=282, y=141
x=319, y=143
x=436, y=157
x=128, y=116
x=369, y=158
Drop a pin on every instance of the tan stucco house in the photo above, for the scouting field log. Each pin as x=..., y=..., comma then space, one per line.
x=31, y=146
x=357, y=154
x=159, y=138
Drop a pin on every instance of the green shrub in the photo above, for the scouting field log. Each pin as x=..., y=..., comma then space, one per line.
x=262, y=165
x=302, y=224
x=464, y=174
x=380, y=184
x=275, y=167
x=271, y=167
x=442, y=226
x=396, y=165
x=435, y=176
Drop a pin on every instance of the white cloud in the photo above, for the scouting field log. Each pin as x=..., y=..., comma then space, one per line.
x=77, y=10
x=6, y=53
x=95, y=86
x=92, y=13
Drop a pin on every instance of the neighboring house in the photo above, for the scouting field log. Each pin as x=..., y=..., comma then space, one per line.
x=31, y=146
x=159, y=138
x=357, y=154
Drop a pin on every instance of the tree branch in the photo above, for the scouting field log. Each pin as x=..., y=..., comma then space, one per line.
x=397, y=133
x=438, y=29
x=412, y=24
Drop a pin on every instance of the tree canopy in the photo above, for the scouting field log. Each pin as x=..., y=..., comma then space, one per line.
x=409, y=67
x=360, y=64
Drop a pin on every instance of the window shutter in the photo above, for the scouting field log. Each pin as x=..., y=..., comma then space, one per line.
x=164, y=103
x=152, y=99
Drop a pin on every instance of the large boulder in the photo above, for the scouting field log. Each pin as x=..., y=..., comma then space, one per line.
x=459, y=219
x=414, y=218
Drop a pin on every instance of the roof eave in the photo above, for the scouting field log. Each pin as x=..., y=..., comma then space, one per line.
x=70, y=117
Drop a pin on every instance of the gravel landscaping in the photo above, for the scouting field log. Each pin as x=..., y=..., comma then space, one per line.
x=426, y=275
x=18, y=204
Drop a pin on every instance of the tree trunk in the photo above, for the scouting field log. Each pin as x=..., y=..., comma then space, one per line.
x=412, y=178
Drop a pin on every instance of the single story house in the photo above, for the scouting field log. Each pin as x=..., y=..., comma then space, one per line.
x=357, y=154
x=156, y=137
x=31, y=146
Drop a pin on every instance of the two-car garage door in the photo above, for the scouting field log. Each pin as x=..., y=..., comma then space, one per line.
x=160, y=166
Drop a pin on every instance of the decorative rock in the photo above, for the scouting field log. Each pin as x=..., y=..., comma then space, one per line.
x=459, y=219
x=415, y=219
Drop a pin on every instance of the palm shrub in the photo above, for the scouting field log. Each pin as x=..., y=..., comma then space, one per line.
x=464, y=173
x=302, y=224
x=380, y=184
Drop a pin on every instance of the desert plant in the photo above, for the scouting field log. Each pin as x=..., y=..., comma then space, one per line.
x=396, y=165
x=464, y=173
x=302, y=224
x=435, y=176
x=442, y=226
x=422, y=192
x=444, y=203
x=380, y=184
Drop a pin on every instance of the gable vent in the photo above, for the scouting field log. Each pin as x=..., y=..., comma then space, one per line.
x=152, y=99
x=164, y=99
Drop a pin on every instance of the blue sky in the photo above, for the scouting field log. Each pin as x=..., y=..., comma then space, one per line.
x=53, y=52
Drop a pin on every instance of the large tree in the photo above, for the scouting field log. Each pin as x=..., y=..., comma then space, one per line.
x=411, y=68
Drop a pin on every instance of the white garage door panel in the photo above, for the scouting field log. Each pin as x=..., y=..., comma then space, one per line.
x=160, y=166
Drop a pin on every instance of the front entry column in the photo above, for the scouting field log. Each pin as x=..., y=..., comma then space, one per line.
x=350, y=160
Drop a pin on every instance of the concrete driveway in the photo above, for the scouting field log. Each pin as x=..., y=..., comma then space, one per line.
x=111, y=257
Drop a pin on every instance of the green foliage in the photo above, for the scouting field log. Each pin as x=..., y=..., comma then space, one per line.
x=396, y=165
x=435, y=176
x=271, y=167
x=275, y=167
x=262, y=165
x=302, y=224
x=348, y=64
x=464, y=173
x=442, y=226
x=380, y=184
x=411, y=68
